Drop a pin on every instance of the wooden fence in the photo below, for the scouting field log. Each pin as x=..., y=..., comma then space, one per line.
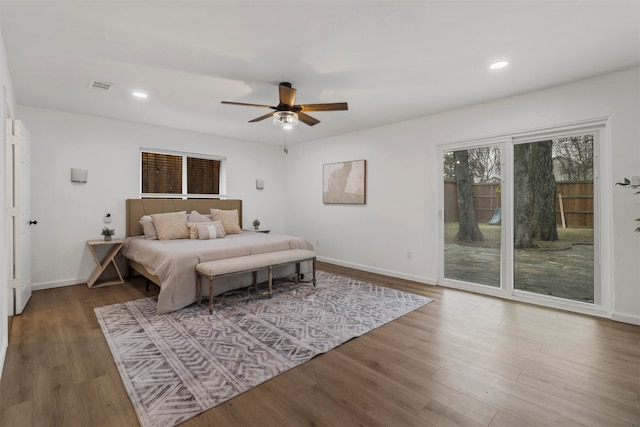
x=576, y=199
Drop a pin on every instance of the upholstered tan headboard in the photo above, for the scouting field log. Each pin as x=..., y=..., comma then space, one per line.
x=136, y=208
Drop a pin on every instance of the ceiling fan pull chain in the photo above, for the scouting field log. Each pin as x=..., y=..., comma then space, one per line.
x=286, y=151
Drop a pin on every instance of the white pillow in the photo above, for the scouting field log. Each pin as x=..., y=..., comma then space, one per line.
x=147, y=227
x=196, y=216
x=213, y=230
x=194, y=228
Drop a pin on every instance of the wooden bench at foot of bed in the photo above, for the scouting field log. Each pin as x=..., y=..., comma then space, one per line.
x=251, y=264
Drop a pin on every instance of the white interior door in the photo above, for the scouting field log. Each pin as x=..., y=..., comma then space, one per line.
x=19, y=233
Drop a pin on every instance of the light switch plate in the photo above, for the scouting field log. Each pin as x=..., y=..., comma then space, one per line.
x=79, y=175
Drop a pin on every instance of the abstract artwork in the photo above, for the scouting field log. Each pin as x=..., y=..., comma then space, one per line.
x=345, y=182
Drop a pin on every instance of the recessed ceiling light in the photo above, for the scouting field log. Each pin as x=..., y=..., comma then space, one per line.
x=498, y=65
x=140, y=94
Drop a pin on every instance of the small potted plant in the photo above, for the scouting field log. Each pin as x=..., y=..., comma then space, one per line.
x=107, y=233
x=256, y=224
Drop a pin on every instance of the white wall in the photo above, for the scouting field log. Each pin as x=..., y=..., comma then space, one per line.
x=68, y=213
x=401, y=210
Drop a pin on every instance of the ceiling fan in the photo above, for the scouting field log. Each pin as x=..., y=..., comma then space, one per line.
x=286, y=113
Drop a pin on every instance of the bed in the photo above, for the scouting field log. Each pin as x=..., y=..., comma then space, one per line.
x=171, y=264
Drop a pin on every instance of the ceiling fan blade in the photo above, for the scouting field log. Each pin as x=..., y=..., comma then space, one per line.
x=307, y=119
x=247, y=105
x=266, y=116
x=287, y=94
x=336, y=106
x=287, y=98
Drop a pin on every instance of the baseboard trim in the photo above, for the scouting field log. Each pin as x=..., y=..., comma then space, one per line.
x=626, y=318
x=57, y=284
x=392, y=273
x=618, y=317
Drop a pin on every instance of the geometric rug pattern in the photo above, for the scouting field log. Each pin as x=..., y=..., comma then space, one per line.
x=177, y=365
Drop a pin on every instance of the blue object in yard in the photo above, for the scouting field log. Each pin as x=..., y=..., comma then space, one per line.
x=496, y=217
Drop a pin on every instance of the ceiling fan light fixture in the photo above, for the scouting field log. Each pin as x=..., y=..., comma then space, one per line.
x=285, y=119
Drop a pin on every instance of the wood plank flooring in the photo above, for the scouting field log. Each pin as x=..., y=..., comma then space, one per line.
x=463, y=360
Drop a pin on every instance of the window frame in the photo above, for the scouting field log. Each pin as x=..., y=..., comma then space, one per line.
x=184, y=194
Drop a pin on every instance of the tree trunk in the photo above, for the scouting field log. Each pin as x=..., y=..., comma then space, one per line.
x=521, y=207
x=543, y=192
x=468, y=230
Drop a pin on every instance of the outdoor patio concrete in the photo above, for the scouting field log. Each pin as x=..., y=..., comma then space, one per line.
x=560, y=273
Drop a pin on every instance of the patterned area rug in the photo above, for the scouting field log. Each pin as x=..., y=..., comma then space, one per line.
x=177, y=365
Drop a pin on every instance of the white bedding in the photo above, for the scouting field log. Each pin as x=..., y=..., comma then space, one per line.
x=174, y=261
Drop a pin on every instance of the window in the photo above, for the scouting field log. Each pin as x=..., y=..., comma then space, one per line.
x=184, y=175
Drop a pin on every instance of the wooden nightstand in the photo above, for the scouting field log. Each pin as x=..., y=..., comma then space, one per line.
x=114, y=246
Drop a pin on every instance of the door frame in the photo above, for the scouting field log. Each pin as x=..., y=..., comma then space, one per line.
x=19, y=209
x=10, y=214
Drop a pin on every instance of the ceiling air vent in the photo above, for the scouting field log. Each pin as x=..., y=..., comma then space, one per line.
x=96, y=84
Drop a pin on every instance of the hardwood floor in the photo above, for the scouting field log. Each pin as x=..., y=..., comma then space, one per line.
x=463, y=360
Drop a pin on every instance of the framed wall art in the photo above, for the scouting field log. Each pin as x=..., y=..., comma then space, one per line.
x=345, y=182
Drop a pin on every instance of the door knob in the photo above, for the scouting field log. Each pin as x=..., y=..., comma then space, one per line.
x=33, y=222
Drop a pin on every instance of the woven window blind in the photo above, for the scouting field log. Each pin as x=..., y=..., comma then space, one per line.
x=203, y=176
x=163, y=173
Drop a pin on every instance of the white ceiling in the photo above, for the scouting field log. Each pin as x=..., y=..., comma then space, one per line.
x=390, y=60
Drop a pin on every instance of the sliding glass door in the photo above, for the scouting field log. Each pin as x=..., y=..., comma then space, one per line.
x=472, y=215
x=554, y=217
x=519, y=217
